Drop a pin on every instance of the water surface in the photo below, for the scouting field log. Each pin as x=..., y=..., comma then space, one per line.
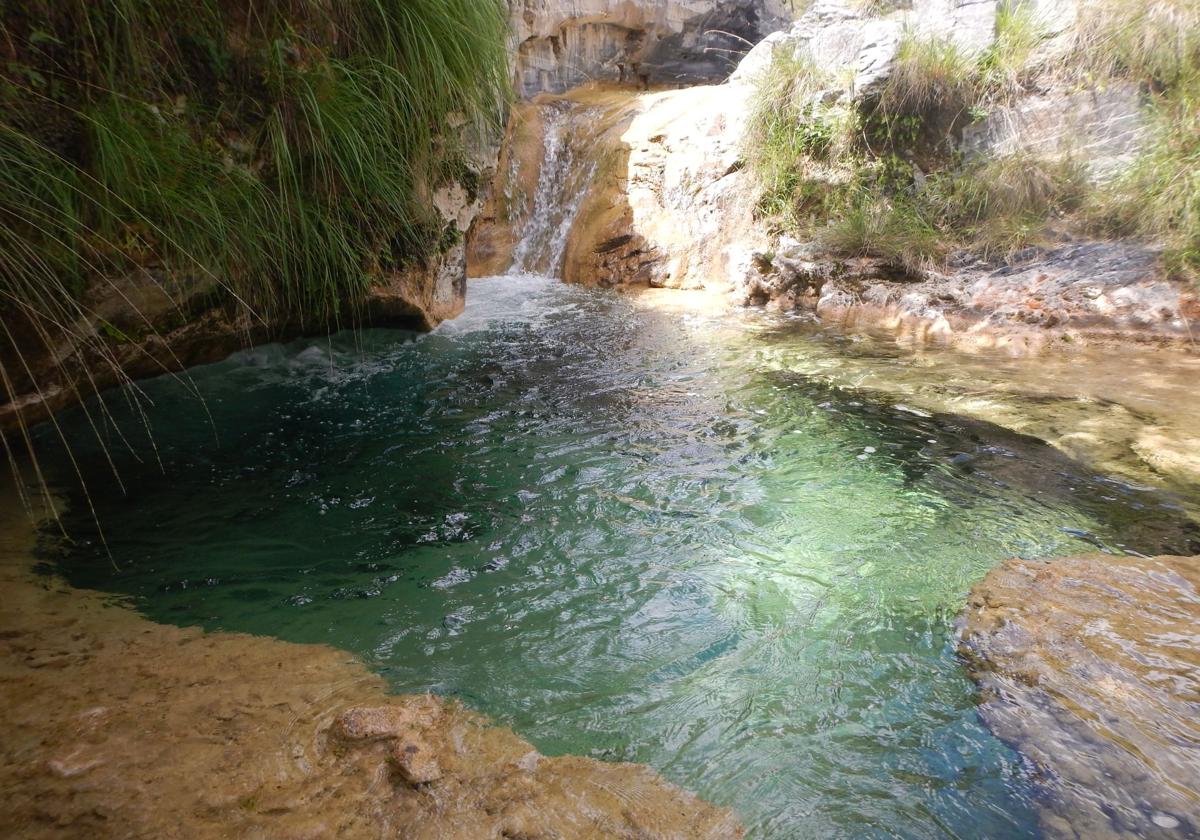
x=627, y=533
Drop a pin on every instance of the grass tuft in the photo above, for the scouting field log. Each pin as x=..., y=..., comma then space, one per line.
x=1000, y=206
x=930, y=75
x=1159, y=197
x=282, y=149
x=1156, y=41
x=851, y=178
x=1010, y=64
x=893, y=230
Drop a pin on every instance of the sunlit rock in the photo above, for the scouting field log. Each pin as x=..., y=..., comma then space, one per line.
x=1091, y=667
x=560, y=44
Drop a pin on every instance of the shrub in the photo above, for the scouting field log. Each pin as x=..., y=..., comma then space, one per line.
x=894, y=230
x=1159, y=197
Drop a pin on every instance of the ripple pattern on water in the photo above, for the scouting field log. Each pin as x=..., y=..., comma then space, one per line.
x=628, y=534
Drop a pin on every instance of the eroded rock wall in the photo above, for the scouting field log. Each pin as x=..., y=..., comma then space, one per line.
x=560, y=44
x=671, y=204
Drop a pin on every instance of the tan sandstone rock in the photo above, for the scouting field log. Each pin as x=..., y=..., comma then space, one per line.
x=1091, y=667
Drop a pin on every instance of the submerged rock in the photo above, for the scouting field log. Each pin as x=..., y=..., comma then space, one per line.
x=369, y=723
x=156, y=731
x=1091, y=667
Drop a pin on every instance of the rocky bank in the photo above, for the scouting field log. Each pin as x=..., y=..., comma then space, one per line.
x=118, y=727
x=669, y=201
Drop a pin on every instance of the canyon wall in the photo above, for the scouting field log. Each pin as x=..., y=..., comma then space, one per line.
x=560, y=44
x=670, y=201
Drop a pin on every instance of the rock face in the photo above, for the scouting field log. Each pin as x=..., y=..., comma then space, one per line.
x=1105, y=129
x=668, y=203
x=560, y=44
x=1091, y=667
x=664, y=202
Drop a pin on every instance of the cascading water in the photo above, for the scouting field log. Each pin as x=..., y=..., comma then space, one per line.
x=561, y=188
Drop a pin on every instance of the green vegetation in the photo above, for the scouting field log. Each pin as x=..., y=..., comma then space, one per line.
x=999, y=206
x=884, y=179
x=282, y=150
x=282, y=147
x=891, y=228
x=1009, y=65
x=930, y=75
x=849, y=178
x=794, y=135
x=1158, y=45
x=1157, y=41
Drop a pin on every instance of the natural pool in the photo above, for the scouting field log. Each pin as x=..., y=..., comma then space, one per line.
x=624, y=532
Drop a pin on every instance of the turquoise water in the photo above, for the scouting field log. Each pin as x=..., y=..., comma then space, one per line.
x=626, y=533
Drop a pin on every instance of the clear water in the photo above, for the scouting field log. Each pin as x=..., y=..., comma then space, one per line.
x=623, y=533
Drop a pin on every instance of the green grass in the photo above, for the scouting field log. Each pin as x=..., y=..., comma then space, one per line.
x=1157, y=46
x=1159, y=197
x=1000, y=206
x=792, y=137
x=849, y=178
x=930, y=75
x=257, y=145
x=1009, y=66
x=891, y=229
x=1156, y=41
x=283, y=149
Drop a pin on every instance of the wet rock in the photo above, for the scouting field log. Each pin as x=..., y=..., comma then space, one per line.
x=372, y=723
x=158, y=763
x=1091, y=667
x=414, y=760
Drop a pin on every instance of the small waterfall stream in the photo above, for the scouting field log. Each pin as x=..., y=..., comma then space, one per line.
x=559, y=194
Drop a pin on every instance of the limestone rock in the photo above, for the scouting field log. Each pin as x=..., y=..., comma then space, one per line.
x=1105, y=129
x=1090, y=665
x=369, y=723
x=560, y=44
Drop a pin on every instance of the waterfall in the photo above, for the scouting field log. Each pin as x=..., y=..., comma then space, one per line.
x=561, y=188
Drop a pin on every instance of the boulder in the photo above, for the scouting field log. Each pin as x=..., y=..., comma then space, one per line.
x=1091, y=667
